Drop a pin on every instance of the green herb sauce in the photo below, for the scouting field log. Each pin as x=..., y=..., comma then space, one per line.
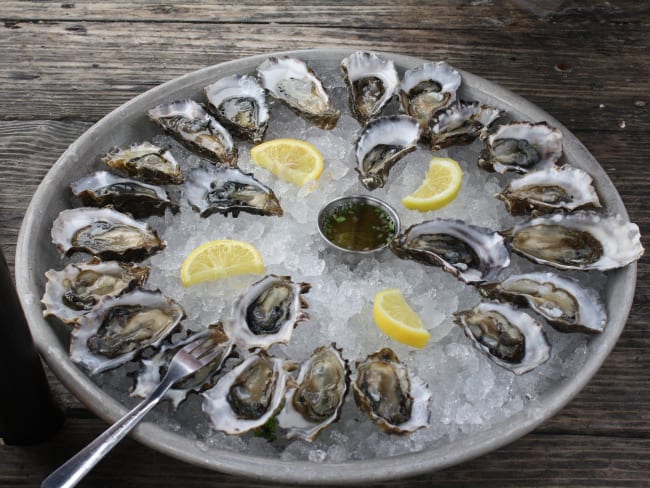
x=359, y=227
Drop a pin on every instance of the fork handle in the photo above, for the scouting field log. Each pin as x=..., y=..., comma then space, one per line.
x=73, y=470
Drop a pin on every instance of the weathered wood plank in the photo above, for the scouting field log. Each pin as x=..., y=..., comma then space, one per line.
x=367, y=13
x=606, y=462
x=42, y=81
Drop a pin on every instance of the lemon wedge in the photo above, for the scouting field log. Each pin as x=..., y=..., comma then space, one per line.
x=397, y=319
x=439, y=188
x=220, y=259
x=293, y=160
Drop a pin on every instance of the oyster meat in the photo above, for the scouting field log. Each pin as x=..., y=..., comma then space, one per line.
x=78, y=288
x=147, y=162
x=563, y=302
x=371, y=82
x=317, y=400
x=521, y=146
x=383, y=142
x=267, y=312
x=124, y=194
x=550, y=190
x=390, y=394
x=291, y=81
x=220, y=189
x=239, y=103
x=193, y=126
x=155, y=368
x=472, y=254
x=460, y=123
x=510, y=338
x=581, y=240
x=249, y=395
x=427, y=89
x=120, y=327
x=104, y=232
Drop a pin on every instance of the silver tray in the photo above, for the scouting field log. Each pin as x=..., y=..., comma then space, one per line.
x=35, y=254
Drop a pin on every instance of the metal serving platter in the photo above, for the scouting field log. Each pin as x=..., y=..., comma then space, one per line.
x=128, y=123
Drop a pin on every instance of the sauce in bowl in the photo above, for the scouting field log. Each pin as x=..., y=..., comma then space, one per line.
x=360, y=224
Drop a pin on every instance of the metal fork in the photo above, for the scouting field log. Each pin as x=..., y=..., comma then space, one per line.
x=186, y=361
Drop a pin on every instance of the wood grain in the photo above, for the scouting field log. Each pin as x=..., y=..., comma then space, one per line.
x=67, y=64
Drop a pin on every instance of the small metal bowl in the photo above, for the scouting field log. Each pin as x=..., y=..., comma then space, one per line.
x=334, y=205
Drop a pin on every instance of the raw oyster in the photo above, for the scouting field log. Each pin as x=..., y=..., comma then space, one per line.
x=427, y=89
x=239, y=103
x=390, y=394
x=563, y=302
x=220, y=189
x=549, y=190
x=267, y=312
x=249, y=395
x=155, y=368
x=291, y=81
x=383, y=142
x=371, y=81
x=126, y=195
x=510, y=338
x=521, y=146
x=460, y=123
x=77, y=288
x=104, y=232
x=193, y=126
x=120, y=327
x=581, y=240
x=147, y=162
x=472, y=254
x=317, y=400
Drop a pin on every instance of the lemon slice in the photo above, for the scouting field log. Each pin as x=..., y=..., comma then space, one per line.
x=397, y=319
x=293, y=160
x=439, y=188
x=220, y=259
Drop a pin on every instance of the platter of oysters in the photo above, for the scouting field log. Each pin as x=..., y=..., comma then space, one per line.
x=524, y=281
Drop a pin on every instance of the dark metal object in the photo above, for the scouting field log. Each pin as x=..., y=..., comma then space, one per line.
x=28, y=414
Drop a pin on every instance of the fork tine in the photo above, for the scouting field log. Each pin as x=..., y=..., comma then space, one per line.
x=206, y=359
x=203, y=349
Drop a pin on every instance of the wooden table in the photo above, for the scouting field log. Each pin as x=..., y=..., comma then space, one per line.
x=64, y=65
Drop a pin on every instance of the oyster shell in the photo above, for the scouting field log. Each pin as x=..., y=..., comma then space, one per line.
x=291, y=81
x=581, y=240
x=549, y=190
x=317, y=400
x=249, y=395
x=220, y=189
x=472, y=254
x=383, y=142
x=267, y=312
x=390, y=394
x=155, y=368
x=460, y=123
x=510, y=338
x=563, y=302
x=193, y=126
x=371, y=82
x=147, y=162
x=120, y=327
x=78, y=288
x=521, y=146
x=427, y=89
x=104, y=232
x=239, y=103
x=124, y=194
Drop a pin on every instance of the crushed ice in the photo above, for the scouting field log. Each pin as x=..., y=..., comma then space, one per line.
x=470, y=393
